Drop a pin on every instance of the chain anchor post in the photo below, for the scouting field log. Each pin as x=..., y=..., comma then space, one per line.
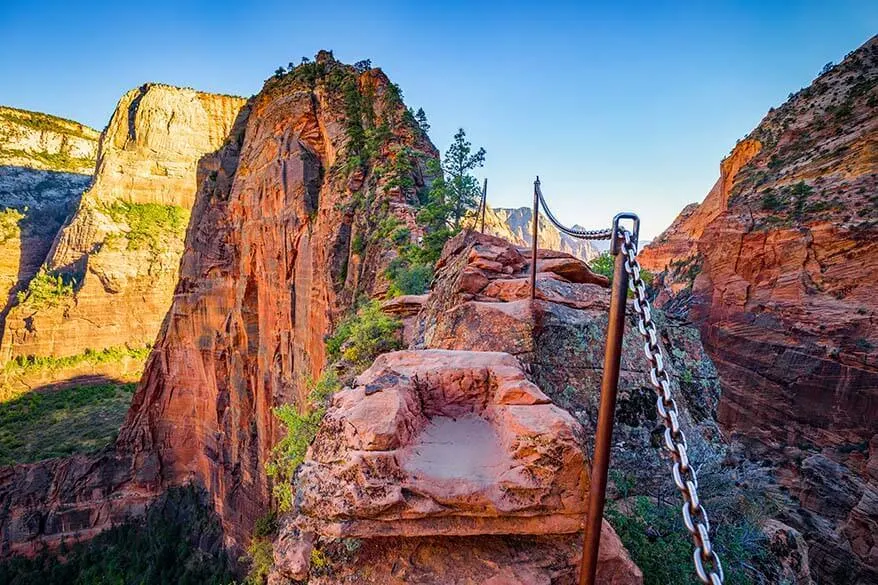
x=484, y=204
x=535, y=235
x=606, y=412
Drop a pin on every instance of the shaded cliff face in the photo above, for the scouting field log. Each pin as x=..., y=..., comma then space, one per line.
x=45, y=164
x=268, y=267
x=121, y=248
x=516, y=226
x=778, y=267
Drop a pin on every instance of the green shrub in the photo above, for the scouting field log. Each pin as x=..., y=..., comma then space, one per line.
x=149, y=224
x=604, y=264
x=365, y=335
x=260, y=557
x=401, y=235
x=408, y=279
x=46, y=289
x=9, y=219
x=301, y=428
x=770, y=201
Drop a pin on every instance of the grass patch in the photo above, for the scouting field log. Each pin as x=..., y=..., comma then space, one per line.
x=41, y=425
x=179, y=541
x=150, y=225
x=29, y=364
x=22, y=366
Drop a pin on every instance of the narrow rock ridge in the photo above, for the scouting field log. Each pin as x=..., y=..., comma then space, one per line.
x=122, y=245
x=438, y=450
x=777, y=267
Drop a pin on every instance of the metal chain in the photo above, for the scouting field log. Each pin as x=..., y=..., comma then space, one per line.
x=605, y=234
x=707, y=563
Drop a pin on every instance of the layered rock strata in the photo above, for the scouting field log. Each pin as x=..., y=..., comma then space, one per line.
x=120, y=251
x=777, y=267
x=45, y=164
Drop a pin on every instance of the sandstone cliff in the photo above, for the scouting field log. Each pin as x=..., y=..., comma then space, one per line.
x=269, y=265
x=45, y=164
x=777, y=266
x=119, y=252
x=516, y=226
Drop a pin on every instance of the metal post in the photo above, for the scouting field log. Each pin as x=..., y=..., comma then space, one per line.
x=535, y=235
x=604, y=433
x=484, y=202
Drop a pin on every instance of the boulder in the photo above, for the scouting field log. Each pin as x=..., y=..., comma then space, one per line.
x=440, y=442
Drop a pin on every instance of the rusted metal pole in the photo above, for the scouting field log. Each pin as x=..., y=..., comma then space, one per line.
x=484, y=202
x=535, y=235
x=604, y=433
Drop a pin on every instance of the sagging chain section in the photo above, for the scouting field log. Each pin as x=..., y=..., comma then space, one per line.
x=705, y=558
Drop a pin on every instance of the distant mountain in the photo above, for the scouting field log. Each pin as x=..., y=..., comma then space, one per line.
x=516, y=225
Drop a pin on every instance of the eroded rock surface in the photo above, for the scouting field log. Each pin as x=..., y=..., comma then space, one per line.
x=777, y=267
x=268, y=265
x=121, y=248
x=438, y=442
x=45, y=164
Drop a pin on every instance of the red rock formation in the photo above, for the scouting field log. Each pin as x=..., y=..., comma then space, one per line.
x=268, y=266
x=439, y=442
x=778, y=268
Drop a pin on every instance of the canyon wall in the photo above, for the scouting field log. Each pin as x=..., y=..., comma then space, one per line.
x=269, y=265
x=45, y=164
x=778, y=267
x=516, y=226
x=119, y=252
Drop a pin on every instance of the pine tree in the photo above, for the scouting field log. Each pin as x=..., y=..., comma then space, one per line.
x=461, y=188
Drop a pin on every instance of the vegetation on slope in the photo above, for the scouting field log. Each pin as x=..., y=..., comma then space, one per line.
x=651, y=529
x=46, y=123
x=179, y=542
x=41, y=425
x=9, y=220
x=57, y=161
x=149, y=225
x=36, y=366
x=46, y=289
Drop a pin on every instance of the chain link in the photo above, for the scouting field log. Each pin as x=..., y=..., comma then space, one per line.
x=707, y=563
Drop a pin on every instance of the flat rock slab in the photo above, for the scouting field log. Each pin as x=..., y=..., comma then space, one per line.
x=440, y=442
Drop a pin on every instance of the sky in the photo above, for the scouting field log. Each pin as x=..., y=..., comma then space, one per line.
x=615, y=105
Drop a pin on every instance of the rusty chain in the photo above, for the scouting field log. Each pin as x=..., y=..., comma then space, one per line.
x=707, y=563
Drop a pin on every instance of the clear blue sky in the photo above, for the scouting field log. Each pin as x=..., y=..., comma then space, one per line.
x=615, y=105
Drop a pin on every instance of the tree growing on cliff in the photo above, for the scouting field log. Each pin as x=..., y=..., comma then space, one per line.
x=461, y=187
x=421, y=119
